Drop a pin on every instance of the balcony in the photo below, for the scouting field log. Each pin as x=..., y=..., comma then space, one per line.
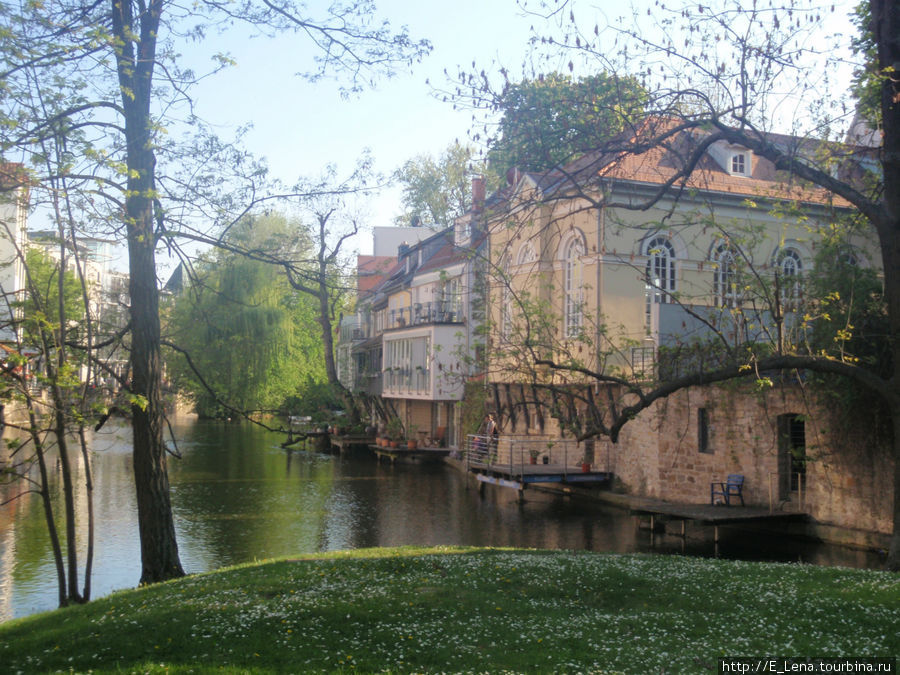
x=368, y=382
x=422, y=313
x=410, y=381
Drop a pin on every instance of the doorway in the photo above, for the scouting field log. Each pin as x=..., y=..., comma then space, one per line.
x=791, y=455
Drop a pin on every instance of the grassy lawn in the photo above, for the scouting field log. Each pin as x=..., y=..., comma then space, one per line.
x=467, y=610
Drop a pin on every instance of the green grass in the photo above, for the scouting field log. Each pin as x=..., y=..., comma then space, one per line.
x=467, y=610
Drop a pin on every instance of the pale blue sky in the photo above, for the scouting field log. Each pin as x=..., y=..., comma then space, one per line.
x=300, y=126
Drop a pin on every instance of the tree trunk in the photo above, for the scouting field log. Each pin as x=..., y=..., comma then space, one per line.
x=159, y=550
x=886, y=29
x=893, y=559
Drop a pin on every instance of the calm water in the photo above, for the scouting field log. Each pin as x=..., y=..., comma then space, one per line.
x=238, y=496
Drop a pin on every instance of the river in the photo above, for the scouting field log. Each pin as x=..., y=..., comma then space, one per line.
x=238, y=496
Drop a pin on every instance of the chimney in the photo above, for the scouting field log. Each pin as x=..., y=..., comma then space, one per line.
x=478, y=193
x=402, y=250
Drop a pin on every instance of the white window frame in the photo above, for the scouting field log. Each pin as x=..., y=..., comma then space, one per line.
x=572, y=250
x=740, y=164
x=659, y=276
x=789, y=268
x=506, y=301
x=725, y=290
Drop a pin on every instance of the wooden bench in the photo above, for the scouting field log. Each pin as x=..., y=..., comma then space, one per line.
x=733, y=486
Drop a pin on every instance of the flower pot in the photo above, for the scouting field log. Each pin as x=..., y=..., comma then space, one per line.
x=411, y=444
x=585, y=467
x=533, y=460
x=545, y=459
x=394, y=444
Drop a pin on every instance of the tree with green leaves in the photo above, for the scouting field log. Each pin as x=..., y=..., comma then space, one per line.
x=437, y=190
x=246, y=339
x=42, y=303
x=95, y=101
x=55, y=334
x=555, y=118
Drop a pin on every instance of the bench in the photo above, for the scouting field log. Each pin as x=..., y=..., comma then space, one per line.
x=733, y=486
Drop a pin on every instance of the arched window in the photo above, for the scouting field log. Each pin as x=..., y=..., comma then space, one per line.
x=506, y=300
x=788, y=270
x=725, y=285
x=526, y=254
x=660, y=273
x=572, y=250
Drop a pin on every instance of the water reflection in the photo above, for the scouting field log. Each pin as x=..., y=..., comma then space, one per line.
x=238, y=496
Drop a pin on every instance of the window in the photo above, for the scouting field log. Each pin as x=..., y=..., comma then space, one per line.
x=572, y=250
x=450, y=306
x=660, y=274
x=506, y=301
x=739, y=164
x=703, y=431
x=725, y=289
x=526, y=254
x=788, y=268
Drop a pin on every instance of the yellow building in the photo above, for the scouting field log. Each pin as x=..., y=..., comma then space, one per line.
x=626, y=269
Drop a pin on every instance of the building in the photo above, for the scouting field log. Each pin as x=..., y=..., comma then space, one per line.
x=615, y=265
x=415, y=339
x=108, y=297
x=13, y=213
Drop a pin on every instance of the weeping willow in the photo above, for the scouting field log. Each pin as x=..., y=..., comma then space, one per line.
x=248, y=333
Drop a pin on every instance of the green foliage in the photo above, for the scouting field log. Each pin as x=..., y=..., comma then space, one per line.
x=850, y=318
x=250, y=335
x=41, y=306
x=317, y=400
x=867, y=81
x=474, y=403
x=556, y=118
x=850, y=324
x=435, y=191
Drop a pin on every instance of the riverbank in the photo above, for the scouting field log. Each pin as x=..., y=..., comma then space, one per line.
x=464, y=609
x=805, y=529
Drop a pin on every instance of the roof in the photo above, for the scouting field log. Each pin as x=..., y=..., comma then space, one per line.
x=446, y=255
x=657, y=151
x=372, y=270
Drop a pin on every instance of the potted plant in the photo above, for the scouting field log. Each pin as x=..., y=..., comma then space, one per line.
x=550, y=445
x=533, y=455
x=394, y=430
x=410, y=441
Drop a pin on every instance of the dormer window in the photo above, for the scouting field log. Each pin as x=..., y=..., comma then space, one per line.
x=740, y=164
x=462, y=231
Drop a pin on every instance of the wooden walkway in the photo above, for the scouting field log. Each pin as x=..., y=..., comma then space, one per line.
x=343, y=444
x=520, y=476
x=417, y=455
x=707, y=514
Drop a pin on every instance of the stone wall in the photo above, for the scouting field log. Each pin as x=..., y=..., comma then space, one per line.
x=848, y=474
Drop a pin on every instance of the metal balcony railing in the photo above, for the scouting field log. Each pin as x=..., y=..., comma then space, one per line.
x=442, y=311
x=514, y=454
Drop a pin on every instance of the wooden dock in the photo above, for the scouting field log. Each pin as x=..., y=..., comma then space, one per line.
x=706, y=514
x=520, y=476
x=345, y=444
x=405, y=454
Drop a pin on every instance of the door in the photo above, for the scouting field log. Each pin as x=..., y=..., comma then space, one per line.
x=791, y=455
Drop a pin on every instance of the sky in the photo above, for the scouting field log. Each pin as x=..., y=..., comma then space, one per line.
x=300, y=127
